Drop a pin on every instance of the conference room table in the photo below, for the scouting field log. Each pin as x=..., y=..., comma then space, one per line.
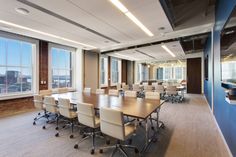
x=133, y=107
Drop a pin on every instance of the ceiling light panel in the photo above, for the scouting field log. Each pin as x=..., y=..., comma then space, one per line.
x=124, y=10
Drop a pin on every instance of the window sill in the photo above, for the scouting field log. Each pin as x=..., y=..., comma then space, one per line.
x=15, y=96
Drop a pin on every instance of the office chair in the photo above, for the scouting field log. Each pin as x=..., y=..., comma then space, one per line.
x=51, y=108
x=61, y=90
x=112, y=124
x=172, y=94
x=160, y=89
x=154, y=84
x=45, y=92
x=130, y=93
x=145, y=83
x=100, y=91
x=113, y=92
x=147, y=88
x=87, y=90
x=67, y=114
x=86, y=116
x=155, y=96
x=125, y=87
x=118, y=86
x=38, y=103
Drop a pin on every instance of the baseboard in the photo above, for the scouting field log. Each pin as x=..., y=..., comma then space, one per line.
x=218, y=128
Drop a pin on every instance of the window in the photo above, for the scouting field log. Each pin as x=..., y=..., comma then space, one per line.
x=16, y=68
x=103, y=71
x=61, y=68
x=167, y=73
x=178, y=73
x=143, y=72
x=115, y=71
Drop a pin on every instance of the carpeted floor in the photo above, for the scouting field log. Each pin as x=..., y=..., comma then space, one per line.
x=190, y=132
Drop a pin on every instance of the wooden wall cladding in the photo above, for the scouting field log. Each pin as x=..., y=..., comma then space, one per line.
x=15, y=106
x=124, y=71
x=43, y=65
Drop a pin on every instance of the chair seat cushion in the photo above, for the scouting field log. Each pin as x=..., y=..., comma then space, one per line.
x=97, y=122
x=129, y=130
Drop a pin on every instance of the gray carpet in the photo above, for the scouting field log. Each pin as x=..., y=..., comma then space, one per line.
x=190, y=132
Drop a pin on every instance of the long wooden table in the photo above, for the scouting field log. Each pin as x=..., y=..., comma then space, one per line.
x=133, y=107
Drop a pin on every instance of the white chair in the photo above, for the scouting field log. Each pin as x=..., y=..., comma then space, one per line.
x=112, y=124
x=154, y=84
x=45, y=92
x=62, y=90
x=125, y=87
x=38, y=104
x=86, y=116
x=136, y=87
x=172, y=93
x=147, y=88
x=113, y=92
x=160, y=89
x=122, y=84
x=51, y=107
x=145, y=83
x=87, y=90
x=129, y=93
x=100, y=91
x=67, y=113
x=155, y=96
x=118, y=86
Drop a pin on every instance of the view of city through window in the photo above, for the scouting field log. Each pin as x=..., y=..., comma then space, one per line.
x=15, y=66
x=61, y=68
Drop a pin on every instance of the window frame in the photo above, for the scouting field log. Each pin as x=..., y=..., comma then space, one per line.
x=34, y=66
x=73, y=62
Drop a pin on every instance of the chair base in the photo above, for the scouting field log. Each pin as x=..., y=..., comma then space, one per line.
x=39, y=116
x=91, y=135
x=120, y=147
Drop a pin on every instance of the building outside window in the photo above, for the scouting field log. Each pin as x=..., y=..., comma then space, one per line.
x=115, y=71
x=103, y=71
x=16, y=67
x=61, y=68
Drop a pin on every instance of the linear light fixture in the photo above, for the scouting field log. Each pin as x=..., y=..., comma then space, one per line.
x=44, y=33
x=168, y=50
x=128, y=57
x=124, y=10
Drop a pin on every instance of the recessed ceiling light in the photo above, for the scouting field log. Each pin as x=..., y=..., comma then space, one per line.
x=22, y=11
x=161, y=28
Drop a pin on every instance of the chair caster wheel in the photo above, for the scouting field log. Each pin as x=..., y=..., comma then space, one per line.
x=57, y=134
x=152, y=127
x=130, y=141
x=101, y=151
x=39, y=113
x=71, y=136
x=140, y=123
x=163, y=126
x=35, y=118
x=76, y=146
x=56, y=128
x=34, y=123
x=92, y=151
x=43, y=127
x=47, y=121
x=108, y=142
x=63, y=126
x=136, y=150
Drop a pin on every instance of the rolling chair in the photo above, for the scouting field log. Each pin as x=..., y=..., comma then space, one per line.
x=45, y=92
x=87, y=90
x=160, y=89
x=155, y=96
x=38, y=103
x=113, y=92
x=51, y=108
x=62, y=90
x=100, y=91
x=112, y=124
x=172, y=94
x=86, y=116
x=130, y=93
x=67, y=114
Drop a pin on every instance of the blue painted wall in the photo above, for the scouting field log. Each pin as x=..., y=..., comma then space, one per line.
x=225, y=113
x=208, y=83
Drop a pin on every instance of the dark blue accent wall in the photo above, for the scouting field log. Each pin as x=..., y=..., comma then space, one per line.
x=208, y=83
x=225, y=113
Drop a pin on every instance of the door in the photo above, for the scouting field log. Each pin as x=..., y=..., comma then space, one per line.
x=194, y=76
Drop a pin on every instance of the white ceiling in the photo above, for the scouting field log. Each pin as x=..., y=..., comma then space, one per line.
x=101, y=16
x=155, y=51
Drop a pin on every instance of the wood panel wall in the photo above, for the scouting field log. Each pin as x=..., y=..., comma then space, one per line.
x=43, y=64
x=124, y=71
